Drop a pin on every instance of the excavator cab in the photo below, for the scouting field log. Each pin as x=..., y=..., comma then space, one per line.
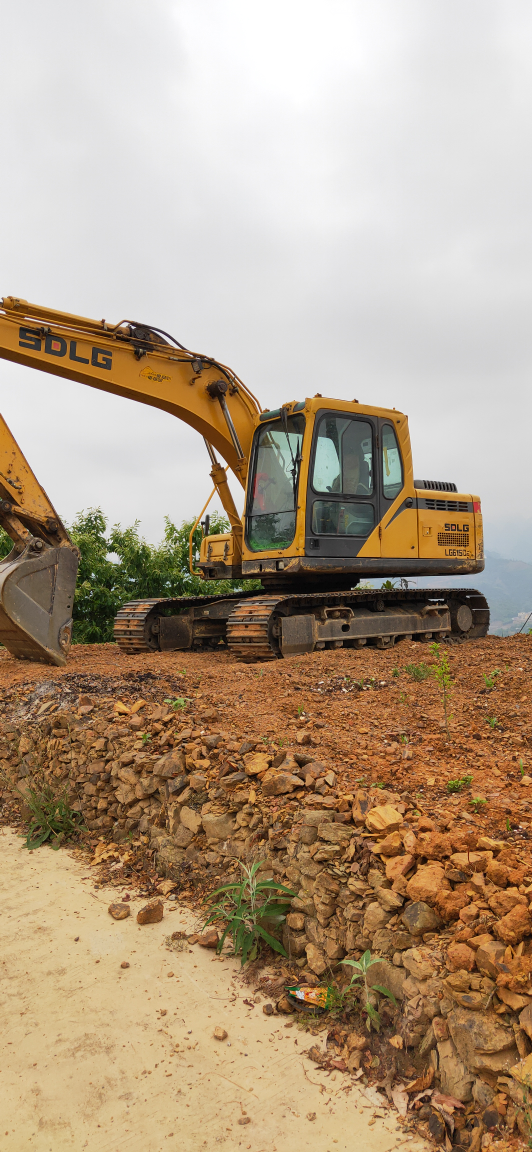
x=323, y=474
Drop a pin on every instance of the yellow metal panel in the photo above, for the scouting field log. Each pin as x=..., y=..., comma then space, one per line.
x=97, y=354
x=446, y=535
x=400, y=538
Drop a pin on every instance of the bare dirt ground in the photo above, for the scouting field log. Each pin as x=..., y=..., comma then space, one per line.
x=97, y=1057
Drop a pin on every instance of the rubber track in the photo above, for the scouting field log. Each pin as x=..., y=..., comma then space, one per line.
x=131, y=623
x=248, y=628
x=249, y=631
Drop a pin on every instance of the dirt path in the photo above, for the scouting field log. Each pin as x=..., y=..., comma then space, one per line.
x=88, y=1049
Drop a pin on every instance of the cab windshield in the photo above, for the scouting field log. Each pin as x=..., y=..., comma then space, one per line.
x=272, y=501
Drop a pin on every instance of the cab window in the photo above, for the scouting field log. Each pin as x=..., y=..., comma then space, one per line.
x=342, y=518
x=392, y=469
x=343, y=459
x=272, y=501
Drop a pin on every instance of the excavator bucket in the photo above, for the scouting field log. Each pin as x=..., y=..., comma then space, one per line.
x=36, y=599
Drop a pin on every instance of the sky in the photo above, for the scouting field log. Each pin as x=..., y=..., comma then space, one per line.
x=329, y=195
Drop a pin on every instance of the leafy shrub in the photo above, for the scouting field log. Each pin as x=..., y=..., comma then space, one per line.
x=244, y=908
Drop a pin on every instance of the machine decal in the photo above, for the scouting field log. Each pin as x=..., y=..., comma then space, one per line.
x=157, y=377
x=57, y=346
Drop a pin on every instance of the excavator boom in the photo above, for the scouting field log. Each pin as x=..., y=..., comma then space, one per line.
x=37, y=579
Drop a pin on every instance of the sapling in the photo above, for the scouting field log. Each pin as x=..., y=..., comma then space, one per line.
x=362, y=967
x=442, y=675
x=245, y=907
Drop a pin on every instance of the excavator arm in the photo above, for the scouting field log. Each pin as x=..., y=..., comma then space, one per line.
x=37, y=579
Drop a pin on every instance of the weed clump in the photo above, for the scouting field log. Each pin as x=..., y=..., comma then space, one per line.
x=418, y=672
x=460, y=784
x=52, y=817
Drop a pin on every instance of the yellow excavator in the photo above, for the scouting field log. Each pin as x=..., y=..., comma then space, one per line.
x=330, y=501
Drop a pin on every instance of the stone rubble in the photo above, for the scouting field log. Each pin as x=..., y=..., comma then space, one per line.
x=447, y=911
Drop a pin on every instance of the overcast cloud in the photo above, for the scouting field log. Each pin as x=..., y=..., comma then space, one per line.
x=328, y=195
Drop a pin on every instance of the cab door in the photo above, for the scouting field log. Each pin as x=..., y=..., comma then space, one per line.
x=398, y=527
x=342, y=497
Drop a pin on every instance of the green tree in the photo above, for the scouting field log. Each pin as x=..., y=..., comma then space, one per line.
x=6, y=544
x=118, y=565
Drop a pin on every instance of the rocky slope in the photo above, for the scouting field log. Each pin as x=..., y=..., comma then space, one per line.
x=335, y=772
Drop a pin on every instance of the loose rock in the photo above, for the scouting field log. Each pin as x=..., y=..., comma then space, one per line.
x=119, y=911
x=152, y=913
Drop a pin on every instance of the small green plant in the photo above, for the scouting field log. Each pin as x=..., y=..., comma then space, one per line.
x=508, y=825
x=527, y=1111
x=477, y=803
x=442, y=675
x=418, y=671
x=395, y=671
x=362, y=967
x=52, y=817
x=300, y=710
x=146, y=737
x=178, y=704
x=402, y=698
x=521, y=767
x=403, y=738
x=492, y=721
x=459, y=785
x=379, y=785
x=490, y=677
x=246, y=907
x=388, y=586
